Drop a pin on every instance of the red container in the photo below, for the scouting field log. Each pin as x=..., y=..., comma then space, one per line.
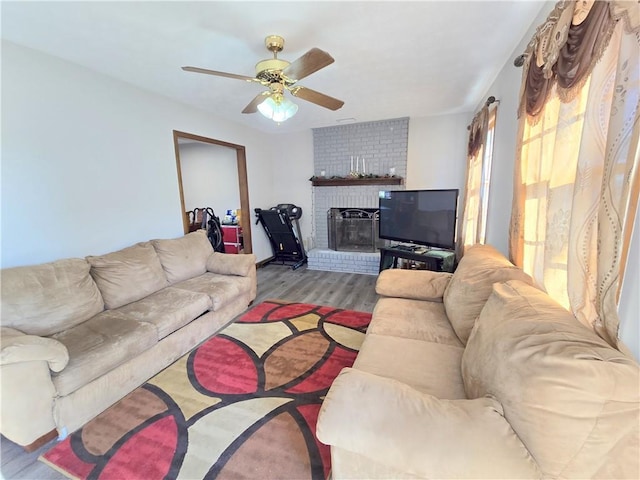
x=232, y=248
x=231, y=234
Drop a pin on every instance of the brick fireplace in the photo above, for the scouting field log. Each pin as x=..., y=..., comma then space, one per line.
x=383, y=146
x=354, y=229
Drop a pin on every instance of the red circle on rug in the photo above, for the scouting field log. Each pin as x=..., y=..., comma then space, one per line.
x=223, y=367
x=147, y=454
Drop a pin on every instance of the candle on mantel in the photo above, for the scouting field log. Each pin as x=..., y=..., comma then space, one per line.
x=364, y=170
x=351, y=170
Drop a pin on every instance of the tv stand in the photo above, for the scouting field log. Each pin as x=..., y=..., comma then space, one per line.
x=432, y=259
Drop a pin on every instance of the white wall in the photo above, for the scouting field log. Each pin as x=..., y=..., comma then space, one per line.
x=506, y=88
x=88, y=162
x=209, y=177
x=292, y=169
x=437, y=156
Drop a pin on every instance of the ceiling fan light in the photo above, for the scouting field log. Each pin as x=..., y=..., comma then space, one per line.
x=267, y=106
x=286, y=109
x=278, y=109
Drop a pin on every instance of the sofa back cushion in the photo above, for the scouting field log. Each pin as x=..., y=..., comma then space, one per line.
x=48, y=298
x=470, y=286
x=571, y=398
x=128, y=274
x=185, y=257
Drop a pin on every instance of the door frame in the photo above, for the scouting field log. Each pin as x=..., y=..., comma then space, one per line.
x=241, y=160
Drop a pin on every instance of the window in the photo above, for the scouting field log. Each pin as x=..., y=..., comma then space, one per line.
x=476, y=199
x=576, y=179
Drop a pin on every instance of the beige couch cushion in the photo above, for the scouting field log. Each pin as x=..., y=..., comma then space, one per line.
x=222, y=289
x=185, y=257
x=415, y=284
x=99, y=345
x=169, y=309
x=391, y=423
x=128, y=274
x=417, y=319
x=231, y=264
x=48, y=298
x=429, y=367
x=470, y=286
x=348, y=464
x=571, y=398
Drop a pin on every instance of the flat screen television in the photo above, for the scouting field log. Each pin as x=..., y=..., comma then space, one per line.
x=422, y=217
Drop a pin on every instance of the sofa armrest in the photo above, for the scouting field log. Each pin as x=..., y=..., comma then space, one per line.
x=16, y=347
x=231, y=264
x=413, y=284
x=26, y=361
x=398, y=426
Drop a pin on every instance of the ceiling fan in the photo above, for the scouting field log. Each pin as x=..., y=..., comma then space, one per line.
x=280, y=75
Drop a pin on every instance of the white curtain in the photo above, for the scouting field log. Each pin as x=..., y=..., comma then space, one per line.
x=576, y=183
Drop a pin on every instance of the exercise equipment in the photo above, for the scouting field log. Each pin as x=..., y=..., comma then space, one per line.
x=283, y=230
x=206, y=219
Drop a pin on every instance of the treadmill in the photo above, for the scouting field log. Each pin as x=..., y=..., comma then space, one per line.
x=283, y=230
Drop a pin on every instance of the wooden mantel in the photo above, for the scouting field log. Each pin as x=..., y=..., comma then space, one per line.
x=343, y=182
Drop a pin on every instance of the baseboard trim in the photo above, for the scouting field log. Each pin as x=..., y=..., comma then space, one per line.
x=39, y=442
x=262, y=263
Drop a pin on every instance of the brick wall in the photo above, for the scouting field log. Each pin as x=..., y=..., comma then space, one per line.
x=382, y=145
x=350, y=262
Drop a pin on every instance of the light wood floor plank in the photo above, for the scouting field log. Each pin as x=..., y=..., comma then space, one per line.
x=343, y=290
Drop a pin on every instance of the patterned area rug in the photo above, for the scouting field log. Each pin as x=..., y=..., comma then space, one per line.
x=242, y=405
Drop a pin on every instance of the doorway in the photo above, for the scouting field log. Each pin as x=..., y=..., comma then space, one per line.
x=195, y=148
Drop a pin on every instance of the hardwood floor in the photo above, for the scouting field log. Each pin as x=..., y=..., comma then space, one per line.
x=344, y=290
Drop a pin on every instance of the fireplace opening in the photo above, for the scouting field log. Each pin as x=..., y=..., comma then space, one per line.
x=354, y=229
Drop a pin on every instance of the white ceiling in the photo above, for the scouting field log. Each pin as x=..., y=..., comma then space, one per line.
x=392, y=59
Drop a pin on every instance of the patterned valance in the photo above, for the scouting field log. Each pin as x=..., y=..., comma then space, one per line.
x=566, y=47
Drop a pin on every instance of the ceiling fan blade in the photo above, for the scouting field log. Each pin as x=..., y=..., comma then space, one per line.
x=219, y=74
x=253, y=104
x=316, y=97
x=310, y=62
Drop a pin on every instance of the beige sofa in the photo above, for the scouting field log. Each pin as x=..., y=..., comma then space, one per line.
x=79, y=334
x=481, y=375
